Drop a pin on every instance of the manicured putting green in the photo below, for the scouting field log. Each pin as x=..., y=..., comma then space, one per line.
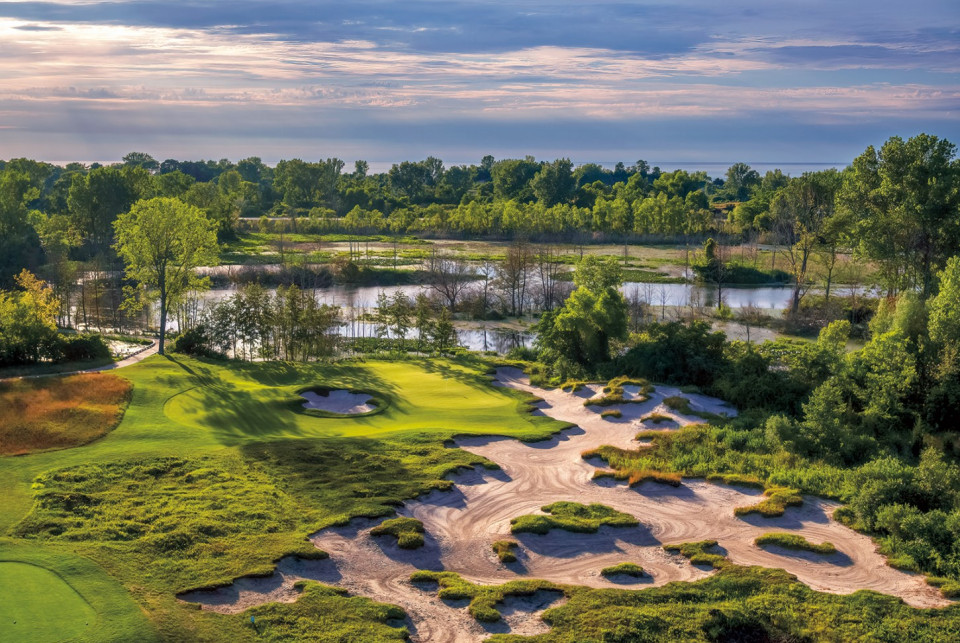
x=39, y=606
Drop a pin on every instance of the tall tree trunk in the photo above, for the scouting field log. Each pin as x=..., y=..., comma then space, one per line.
x=163, y=314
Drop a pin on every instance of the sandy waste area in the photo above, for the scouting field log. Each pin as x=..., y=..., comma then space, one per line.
x=462, y=523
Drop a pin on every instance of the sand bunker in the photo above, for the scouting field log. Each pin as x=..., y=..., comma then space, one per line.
x=340, y=401
x=462, y=523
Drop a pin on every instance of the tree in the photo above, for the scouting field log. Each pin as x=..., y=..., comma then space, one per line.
x=577, y=336
x=141, y=159
x=906, y=198
x=801, y=211
x=399, y=312
x=162, y=240
x=444, y=335
x=450, y=277
x=554, y=183
x=740, y=181
x=28, y=329
x=422, y=319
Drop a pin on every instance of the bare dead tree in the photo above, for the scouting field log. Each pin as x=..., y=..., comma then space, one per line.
x=450, y=276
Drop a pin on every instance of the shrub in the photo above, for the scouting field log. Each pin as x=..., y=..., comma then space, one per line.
x=657, y=418
x=79, y=348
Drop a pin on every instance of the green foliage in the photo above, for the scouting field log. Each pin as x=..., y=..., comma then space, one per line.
x=776, y=502
x=28, y=330
x=699, y=553
x=571, y=516
x=576, y=338
x=504, y=550
x=407, y=531
x=794, y=541
x=611, y=413
x=677, y=403
x=162, y=241
x=323, y=613
x=484, y=598
x=623, y=569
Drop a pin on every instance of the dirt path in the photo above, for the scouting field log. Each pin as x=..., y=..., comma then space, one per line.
x=462, y=523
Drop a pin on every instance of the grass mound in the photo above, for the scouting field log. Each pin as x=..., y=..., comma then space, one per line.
x=483, y=598
x=611, y=413
x=59, y=412
x=794, y=541
x=698, y=553
x=572, y=516
x=633, y=475
x=678, y=403
x=323, y=613
x=407, y=531
x=613, y=392
x=504, y=550
x=657, y=418
x=776, y=502
x=736, y=479
x=623, y=569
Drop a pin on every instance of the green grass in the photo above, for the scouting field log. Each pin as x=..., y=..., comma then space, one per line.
x=88, y=605
x=794, y=541
x=504, y=550
x=657, y=418
x=678, y=403
x=698, y=553
x=613, y=392
x=611, y=413
x=214, y=474
x=323, y=613
x=623, y=569
x=407, y=531
x=733, y=604
x=776, y=502
x=571, y=516
x=484, y=598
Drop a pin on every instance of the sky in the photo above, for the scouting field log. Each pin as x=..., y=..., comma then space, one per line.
x=684, y=82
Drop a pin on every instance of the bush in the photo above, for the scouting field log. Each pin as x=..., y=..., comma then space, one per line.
x=195, y=341
x=80, y=348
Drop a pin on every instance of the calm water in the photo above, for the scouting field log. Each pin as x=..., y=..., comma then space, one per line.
x=492, y=338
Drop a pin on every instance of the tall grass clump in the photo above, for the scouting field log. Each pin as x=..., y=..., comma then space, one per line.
x=794, y=541
x=407, y=531
x=572, y=516
x=59, y=412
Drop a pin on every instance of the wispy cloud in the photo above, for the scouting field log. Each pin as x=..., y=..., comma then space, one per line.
x=588, y=68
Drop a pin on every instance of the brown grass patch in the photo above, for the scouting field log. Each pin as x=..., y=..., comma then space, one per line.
x=59, y=412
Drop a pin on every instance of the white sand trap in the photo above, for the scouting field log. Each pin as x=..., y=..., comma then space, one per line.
x=339, y=401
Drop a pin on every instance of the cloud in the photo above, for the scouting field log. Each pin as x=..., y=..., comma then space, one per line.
x=585, y=69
